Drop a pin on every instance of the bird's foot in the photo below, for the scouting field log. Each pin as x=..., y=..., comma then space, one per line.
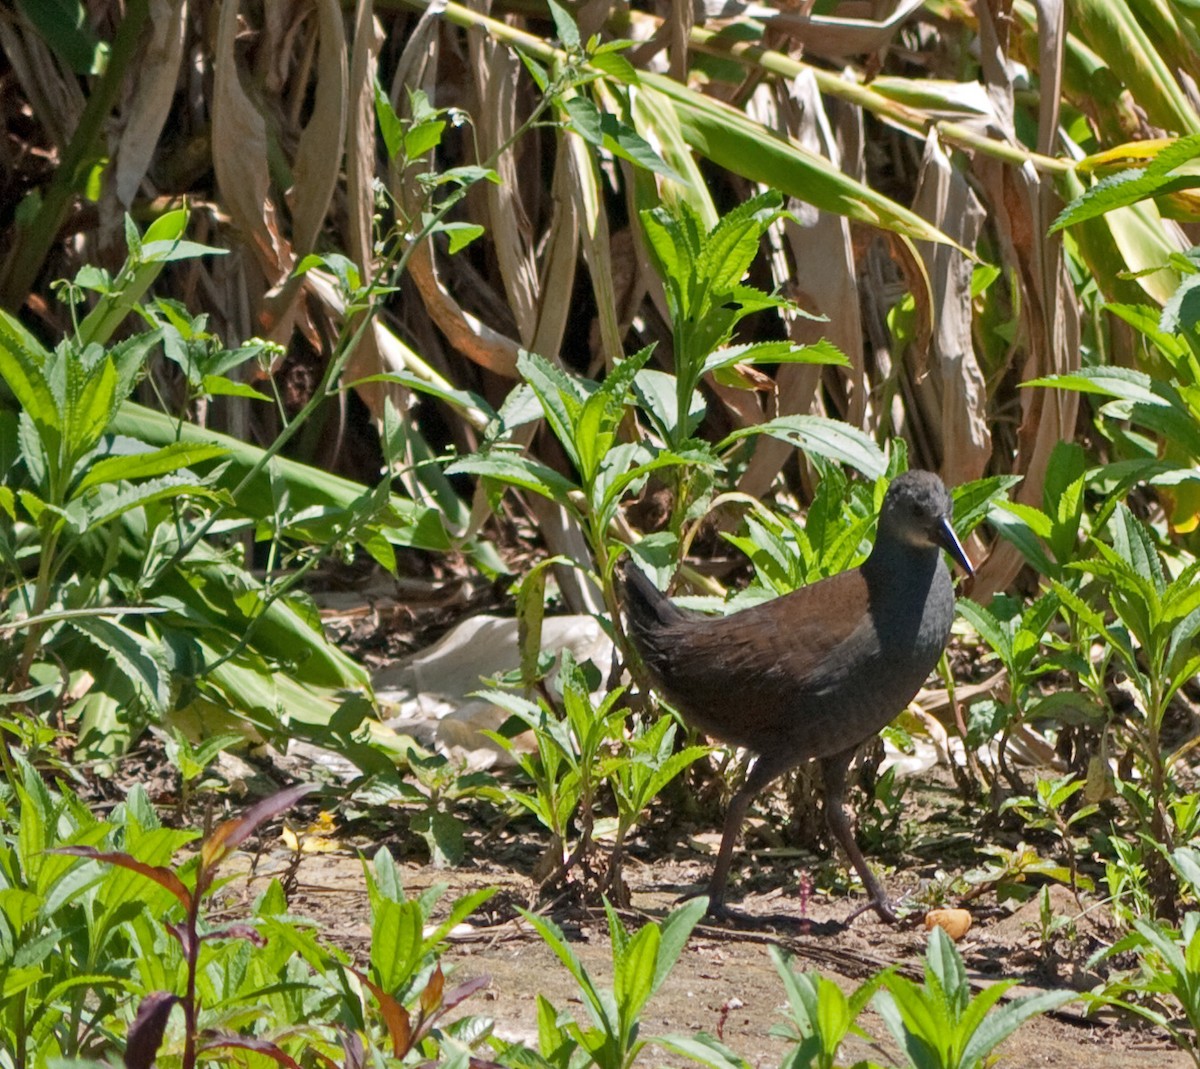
x=880, y=905
x=717, y=910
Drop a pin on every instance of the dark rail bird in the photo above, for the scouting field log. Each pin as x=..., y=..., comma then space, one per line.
x=812, y=674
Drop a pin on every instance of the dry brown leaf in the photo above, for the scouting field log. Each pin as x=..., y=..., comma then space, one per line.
x=1023, y=204
x=583, y=191
x=556, y=286
x=818, y=271
x=146, y=111
x=360, y=142
x=952, y=400
x=825, y=35
x=318, y=161
x=497, y=73
x=478, y=342
x=240, y=155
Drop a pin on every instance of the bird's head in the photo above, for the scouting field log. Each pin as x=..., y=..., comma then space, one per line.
x=917, y=510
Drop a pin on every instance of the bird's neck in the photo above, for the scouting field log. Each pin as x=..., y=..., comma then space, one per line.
x=900, y=566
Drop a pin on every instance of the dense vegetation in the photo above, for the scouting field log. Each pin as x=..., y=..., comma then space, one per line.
x=412, y=285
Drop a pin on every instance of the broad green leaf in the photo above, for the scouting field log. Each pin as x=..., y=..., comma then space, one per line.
x=827, y=438
x=22, y=363
x=143, y=661
x=733, y=244
x=703, y=1049
x=97, y=509
x=142, y=465
x=605, y=130
x=220, y=386
x=633, y=977
x=676, y=930
x=1135, y=184
x=986, y=626
x=1112, y=30
x=553, y=937
x=395, y=942
x=731, y=139
x=1000, y=1024
x=565, y=27
x=512, y=469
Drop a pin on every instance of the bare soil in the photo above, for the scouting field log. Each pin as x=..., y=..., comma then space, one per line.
x=724, y=983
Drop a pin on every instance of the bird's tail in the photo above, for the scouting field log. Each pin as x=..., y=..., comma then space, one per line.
x=646, y=607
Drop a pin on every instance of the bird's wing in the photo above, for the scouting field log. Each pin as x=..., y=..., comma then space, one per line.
x=781, y=652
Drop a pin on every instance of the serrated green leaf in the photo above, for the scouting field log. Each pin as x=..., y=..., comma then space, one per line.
x=143, y=465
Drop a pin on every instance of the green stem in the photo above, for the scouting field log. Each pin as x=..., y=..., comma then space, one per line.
x=47, y=566
x=868, y=99
x=348, y=341
x=33, y=242
x=774, y=62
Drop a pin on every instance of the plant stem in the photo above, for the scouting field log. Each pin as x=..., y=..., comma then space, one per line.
x=41, y=600
x=774, y=62
x=876, y=103
x=33, y=242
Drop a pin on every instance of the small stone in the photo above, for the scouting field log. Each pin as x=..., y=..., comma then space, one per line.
x=954, y=922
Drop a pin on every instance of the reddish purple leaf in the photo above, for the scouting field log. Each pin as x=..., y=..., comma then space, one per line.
x=395, y=1017
x=464, y=991
x=161, y=876
x=146, y=1032
x=229, y=836
x=259, y=1046
x=184, y=934
x=356, y=1054
x=431, y=997
x=238, y=931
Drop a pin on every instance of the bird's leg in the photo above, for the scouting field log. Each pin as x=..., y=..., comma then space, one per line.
x=833, y=771
x=761, y=773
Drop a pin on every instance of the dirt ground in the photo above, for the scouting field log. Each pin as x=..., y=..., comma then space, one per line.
x=724, y=983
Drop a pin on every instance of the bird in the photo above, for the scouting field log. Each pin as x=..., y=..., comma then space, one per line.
x=813, y=674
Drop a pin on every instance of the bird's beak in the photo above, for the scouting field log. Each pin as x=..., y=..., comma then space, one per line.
x=946, y=538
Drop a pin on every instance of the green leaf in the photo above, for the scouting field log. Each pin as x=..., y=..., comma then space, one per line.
x=390, y=126
x=221, y=386
x=1182, y=312
x=1006, y=1020
x=1135, y=184
x=142, y=465
x=22, y=361
x=1121, y=382
x=423, y=137
x=1016, y=529
x=143, y=661
x=734, y=141
x=461, y=234
x=168, y=227
x=553, y=937
x=395, y=941
x=676, y=930
x=633, y=973
x=704, y=1049
x=97, y=508
x=564, y=26
x=732, y=245
x=604, y=130
x=774, y=352
x=512, y=469
x=827, y=438
x=986, y=625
